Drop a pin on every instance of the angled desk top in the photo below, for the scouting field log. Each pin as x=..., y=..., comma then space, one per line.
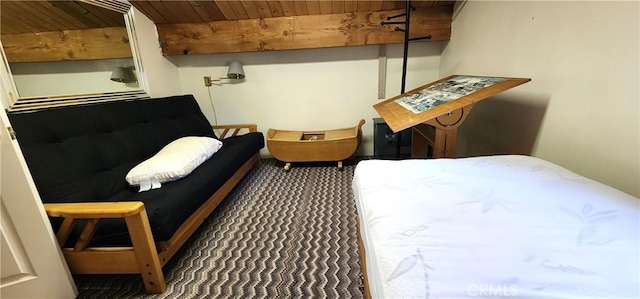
x=441, y=97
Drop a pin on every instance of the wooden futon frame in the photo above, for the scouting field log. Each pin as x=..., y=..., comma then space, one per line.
x=145, y=256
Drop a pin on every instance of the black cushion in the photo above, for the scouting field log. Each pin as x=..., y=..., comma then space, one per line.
x=83, y=153
x=169, y=206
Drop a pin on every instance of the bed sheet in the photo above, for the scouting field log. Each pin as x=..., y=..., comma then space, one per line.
x=494, y=227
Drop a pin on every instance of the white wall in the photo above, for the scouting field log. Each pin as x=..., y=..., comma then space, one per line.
x=35, y=79
x=316, y=89
x=160, y=75
x=581, y=109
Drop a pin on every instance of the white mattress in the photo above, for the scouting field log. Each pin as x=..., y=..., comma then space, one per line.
x=494, y=227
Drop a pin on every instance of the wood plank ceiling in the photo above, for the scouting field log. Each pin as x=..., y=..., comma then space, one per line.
x=172, y=12
x=215, y=26
x=201, y=27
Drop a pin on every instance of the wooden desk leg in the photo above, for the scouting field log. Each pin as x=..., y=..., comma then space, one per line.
x=445, y=143
x=419, y=144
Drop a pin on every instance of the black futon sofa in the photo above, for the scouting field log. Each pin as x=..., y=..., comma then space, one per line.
x=79, y=156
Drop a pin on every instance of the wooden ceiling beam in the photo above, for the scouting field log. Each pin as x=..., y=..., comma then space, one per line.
x=301, y=32
x=82, y=44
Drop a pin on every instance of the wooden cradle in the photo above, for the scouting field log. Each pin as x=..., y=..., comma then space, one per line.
x=314, y=146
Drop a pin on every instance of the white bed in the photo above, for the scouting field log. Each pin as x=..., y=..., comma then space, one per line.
x=498, y=227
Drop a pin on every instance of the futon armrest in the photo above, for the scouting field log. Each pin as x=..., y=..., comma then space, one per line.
x=234, y=129
x=85, y=210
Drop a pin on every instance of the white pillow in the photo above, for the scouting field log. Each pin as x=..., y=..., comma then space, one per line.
x=174, y=161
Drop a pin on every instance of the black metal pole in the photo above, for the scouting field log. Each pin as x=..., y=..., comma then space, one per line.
x=406, y=46
x=404, y=66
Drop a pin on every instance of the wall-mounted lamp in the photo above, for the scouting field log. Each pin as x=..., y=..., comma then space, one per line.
x=122, y=75
x=235, y=72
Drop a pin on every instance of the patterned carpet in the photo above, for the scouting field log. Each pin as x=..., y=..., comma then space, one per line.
x=277, y=235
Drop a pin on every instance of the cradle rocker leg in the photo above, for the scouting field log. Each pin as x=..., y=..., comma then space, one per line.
x=287, y=166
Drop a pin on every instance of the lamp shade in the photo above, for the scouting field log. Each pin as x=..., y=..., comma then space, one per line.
x=121, y=74
x=235, y=70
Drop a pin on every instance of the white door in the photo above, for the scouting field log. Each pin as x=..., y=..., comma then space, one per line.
x=32, y=264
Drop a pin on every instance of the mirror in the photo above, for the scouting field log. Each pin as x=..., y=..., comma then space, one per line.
x=65, y=50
